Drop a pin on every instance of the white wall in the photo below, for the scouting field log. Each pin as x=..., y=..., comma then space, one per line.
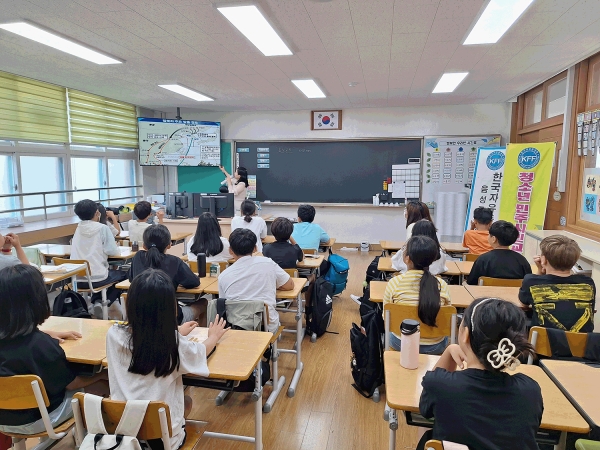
x=453, y=120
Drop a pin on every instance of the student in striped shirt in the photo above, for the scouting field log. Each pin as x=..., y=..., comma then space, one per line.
x=417, y=286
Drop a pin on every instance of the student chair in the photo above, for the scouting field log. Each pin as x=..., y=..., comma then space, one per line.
x=28, y=392
x=194, y=266
x=156, y=424
x=292, y=272
x=584, y=444
x=439, y=445
x=538, y=337
x=490, y=281
x=90, y=290
x=470, y=257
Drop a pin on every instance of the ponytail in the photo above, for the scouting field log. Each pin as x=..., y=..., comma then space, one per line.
x=156, y=240
x=154, y=257
x=248, y=209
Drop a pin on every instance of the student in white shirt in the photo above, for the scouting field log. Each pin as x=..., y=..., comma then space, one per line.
x=108, y=218
x=148, y=356
x=7, y=259
x=136, y=227
x=237, y=185
x=251, y=221
x=253, y=277
x=422, y=227
x=208, y=240
x=94, y=243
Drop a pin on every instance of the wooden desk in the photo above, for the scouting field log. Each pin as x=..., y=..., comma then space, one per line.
x=328, y=245
x=453, y=269
x=453, y=247
x=466, y=266
x=205, y=282
x=91, y=348
x=64, y=251
x=268, y=240
x=391, y=246
x=377, y=289
x=460, y=297
x=403, y=391
x=310, y=263
x=55, y=277
x=176, y=237
x=510, y=294
x=385, y=264
x=579, y=383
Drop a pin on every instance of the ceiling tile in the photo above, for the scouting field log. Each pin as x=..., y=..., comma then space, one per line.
x=414, y=17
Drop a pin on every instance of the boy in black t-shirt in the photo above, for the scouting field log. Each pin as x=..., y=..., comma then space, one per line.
x=284, y=251
x=501, y=262
x=558, y=298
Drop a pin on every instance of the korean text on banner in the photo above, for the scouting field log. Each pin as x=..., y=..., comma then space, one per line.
x=525, y=187
x=487, y=181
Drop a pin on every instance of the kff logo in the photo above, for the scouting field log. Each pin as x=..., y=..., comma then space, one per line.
x=528, y=158
x=495, y=160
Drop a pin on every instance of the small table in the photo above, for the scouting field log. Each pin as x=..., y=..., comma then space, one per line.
x=176, y=238
x=390, y=246
x=507, y=293
x=377, y=289
x=51, y=278
x=453, y=269
x=403, y=392
x=452, y=248
x=385, y=264
x=311, y=263
x=460, y=297
x=64, y=251
x=579, y=383
x=328, y=245
x=205, y=283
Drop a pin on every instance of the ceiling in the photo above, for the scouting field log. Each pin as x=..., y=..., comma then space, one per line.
x=396, y=50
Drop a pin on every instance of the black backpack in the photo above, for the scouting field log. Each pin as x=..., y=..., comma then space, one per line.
x=367, y=353
x=70, y=304
x=319, y=313
x=372, y=272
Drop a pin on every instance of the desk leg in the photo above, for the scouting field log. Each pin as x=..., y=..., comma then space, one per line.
x=393, y=424
x=258, y=408
x=299, y=335
x=562, y=443
x=278, y=383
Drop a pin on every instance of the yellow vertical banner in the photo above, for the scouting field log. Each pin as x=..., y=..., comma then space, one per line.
x=525, y=187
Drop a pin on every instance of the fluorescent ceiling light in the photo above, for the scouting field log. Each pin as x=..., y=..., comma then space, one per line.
x=253, y=25
x=449, y=82
x=309, y=88
x=495, y=20
x=186, y=92
x=52, y=40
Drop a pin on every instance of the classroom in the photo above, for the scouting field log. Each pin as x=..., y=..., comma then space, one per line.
x=299, y=224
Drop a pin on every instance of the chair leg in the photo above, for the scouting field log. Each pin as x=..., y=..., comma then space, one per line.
x=220, y=398
x=19, y=444
x=104, y=305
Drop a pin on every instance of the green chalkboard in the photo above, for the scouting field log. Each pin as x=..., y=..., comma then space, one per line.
x=204, y=179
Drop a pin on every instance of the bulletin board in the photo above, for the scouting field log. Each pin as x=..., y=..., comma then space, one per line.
x=448, y=163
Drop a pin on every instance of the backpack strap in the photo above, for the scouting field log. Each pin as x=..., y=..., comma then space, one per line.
x=92, y=407
x=221, y=309
x=132, y=418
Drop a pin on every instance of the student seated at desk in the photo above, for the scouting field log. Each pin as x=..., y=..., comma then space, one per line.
x=482, y=406
x=107, y=218
x=208, y=240
x=148, y=356
x=414, y=212
x=284, y=251
x=25, y=350
x=94, y=243
x=136, y=227
x=418, y=286
x=249, y=220
x=476, y=239
x=423, y=227
x=306, y=233
x=559, y=299
x=501, y=262
x=253, y=277
x=7, y=259
x=157, y=240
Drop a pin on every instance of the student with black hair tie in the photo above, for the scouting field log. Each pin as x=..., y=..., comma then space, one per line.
x=251, y=221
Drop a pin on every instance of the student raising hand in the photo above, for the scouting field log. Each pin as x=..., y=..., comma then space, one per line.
x=216, y=330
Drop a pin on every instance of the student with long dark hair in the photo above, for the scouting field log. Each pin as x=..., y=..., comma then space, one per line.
x=208, y=240
x=107, y=218
x=157, y=240
x=251, y=221
x=148, y=356
x=418, y=286
x=26, y=350
x=423, y=227
x=414, y=212
x=482, y=406
x=237, y=185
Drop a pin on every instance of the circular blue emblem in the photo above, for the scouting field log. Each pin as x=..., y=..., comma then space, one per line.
x=495, y=160
x=529, y=158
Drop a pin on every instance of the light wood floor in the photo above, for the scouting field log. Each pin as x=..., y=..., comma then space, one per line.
x=326, y=413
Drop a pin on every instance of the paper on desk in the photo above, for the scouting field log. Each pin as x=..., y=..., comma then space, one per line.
x=399, y=189
x=63, y=268
x=198, y=334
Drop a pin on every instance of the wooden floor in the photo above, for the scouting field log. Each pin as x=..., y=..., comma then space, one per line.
x=326, y=413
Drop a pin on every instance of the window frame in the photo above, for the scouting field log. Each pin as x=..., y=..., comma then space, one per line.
x=545, y=122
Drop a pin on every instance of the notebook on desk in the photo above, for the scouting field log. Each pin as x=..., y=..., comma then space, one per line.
x=200, y=334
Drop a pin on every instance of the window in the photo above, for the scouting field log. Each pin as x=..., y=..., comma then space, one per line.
x=594, y=87
x=7, y=186
x=556, y=100
x=88, y=173
x=121, y=172
x=533, y=107
x=40, y=174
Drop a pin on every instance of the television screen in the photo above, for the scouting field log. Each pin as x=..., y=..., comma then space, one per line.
x=171, y=142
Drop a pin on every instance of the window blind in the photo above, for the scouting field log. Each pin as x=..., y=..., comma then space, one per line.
x=32, y=110
x=96, y=120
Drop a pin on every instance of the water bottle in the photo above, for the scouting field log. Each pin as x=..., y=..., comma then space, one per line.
x=410, y=339
x=201, y=265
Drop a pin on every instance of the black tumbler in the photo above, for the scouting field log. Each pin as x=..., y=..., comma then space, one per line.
x=201, y=265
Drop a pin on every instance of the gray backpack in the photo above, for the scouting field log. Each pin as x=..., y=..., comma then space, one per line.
x=239, y=314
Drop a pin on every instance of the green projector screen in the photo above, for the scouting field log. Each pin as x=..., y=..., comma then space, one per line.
x=204, y=179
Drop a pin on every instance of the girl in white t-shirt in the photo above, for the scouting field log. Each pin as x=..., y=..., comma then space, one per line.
x=251, y=221
x=208, y=240
x=137, y=374
x=422, y=227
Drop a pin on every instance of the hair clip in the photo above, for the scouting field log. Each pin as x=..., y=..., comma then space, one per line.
x=475, y=309
x=153, y=245
x=503, y=356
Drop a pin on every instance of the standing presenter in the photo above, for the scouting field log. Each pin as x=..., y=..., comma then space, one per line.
x=237, y=185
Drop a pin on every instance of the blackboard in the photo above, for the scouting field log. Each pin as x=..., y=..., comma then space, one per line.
x=324, y=171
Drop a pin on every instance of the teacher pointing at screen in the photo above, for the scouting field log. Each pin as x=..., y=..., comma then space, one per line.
x=237, y=185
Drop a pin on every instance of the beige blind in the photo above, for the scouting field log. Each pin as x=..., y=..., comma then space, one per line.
x=96, y=120
x=32, y=110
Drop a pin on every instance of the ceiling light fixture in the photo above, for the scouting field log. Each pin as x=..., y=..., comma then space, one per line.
x=42, y=36
x=449, y=82
x=253, y=25
x=496, y=19
x=182, y=90
x=309, y=88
